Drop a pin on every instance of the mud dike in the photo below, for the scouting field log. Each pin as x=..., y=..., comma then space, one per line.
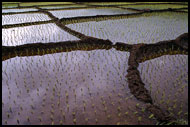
x=139, y=53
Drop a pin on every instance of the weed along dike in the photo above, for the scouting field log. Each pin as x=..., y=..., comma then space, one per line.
x=95, y=63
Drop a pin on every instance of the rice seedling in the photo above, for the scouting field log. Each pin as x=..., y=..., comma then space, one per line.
x=108, y=116
x=151, y=116
x=139, y=118
x=135, y=113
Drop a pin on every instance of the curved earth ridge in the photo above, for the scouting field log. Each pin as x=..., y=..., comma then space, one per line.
x=144, y=51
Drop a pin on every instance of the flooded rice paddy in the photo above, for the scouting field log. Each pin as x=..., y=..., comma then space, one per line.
x=154, y=7
x=89, y=87
x=88, y=12
x=63, y=73
x=34, y=34
x=150, y=28
x=166, y=78
x=22, y=18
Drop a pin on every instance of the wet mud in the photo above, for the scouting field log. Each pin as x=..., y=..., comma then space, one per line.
x=135, y=83
x=27, y=24
x=50, y=48
x=162, y=116
x=13, y=13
